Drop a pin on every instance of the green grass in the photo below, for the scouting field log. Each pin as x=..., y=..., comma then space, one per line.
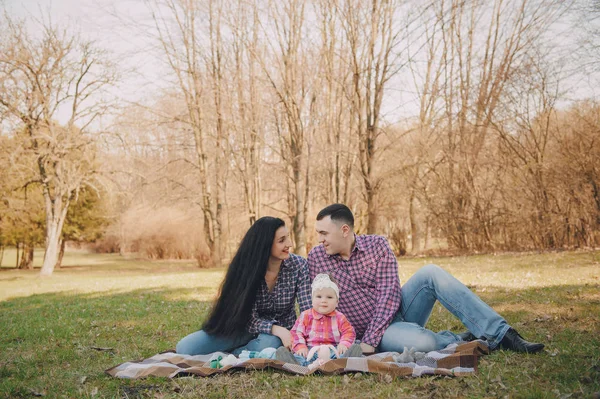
x=49, y=328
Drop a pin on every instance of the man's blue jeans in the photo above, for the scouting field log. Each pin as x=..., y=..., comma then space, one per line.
x=419, y=293
x=201, y=343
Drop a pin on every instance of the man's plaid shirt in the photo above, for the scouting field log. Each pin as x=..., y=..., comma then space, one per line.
x=368, y=282
x=278, y=306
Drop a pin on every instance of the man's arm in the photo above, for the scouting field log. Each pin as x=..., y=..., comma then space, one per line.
x=388, y=294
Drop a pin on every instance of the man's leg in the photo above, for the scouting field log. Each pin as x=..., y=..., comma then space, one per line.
x=401, y=334
x=431, y=283
x=201, y=343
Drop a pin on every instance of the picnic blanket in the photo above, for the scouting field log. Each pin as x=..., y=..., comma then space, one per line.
x=454, y=360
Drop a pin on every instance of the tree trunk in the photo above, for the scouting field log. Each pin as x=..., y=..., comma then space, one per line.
x=27, y=257
x=53, y=234
x=1, y=254
x=17, y=262
x=30, y=257
x=415, y=228
x=61, y=254
x=299, y=220
x=371, y=211
x=221, y=158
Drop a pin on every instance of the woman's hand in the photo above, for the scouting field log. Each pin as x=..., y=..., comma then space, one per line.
x=283, y=334
x=342, y=349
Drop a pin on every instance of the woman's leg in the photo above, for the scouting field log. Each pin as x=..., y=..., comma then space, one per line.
x=259, y=343
x=201, y=343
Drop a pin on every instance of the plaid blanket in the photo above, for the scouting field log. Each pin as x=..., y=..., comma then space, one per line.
x=454, y=360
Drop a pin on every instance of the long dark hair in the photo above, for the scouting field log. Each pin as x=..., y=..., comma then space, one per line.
x=232, y=310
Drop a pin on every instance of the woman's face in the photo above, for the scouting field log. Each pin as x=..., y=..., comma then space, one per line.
x=281, y=244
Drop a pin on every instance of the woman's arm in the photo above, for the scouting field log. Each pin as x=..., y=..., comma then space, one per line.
x=303, y=289
x=260, y=325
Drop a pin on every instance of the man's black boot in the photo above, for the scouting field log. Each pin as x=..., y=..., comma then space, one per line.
x=513, y=341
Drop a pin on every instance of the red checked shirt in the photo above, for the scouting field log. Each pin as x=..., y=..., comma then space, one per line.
x=313, y=328
x=368, y=282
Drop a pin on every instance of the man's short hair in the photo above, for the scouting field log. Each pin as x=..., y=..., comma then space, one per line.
x=338, y=213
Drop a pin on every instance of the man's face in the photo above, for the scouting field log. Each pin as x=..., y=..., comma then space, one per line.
x=332, y=235
x=324, y=301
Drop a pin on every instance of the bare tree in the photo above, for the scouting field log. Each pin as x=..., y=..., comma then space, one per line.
x=247, y=106
x=336, y=142
x=181, y=40
x=373, y=36
x=289, y=76
x=41, y=79
x=422, y=150
x=483, y=46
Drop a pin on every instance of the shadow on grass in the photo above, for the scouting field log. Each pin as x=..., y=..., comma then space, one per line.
x=153, y=320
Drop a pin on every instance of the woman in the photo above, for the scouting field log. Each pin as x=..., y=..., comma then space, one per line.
x=256, y=304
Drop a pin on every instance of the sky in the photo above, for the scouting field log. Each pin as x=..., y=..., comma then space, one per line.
x=124, y=28
x=116, y=26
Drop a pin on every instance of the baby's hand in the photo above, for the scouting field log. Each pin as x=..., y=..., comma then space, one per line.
x=342, y=349
x=302, y=352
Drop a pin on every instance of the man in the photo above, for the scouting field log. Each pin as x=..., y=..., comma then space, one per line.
x=387, y=317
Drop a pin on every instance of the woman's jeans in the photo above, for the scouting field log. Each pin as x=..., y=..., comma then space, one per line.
x=201, y=343
x=419, y=293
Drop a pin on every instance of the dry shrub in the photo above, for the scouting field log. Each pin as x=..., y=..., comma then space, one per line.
x=109, y=244
x=397, y=239
x=203, y=257
x=156, y=233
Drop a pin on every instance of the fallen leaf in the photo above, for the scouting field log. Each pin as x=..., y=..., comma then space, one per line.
x=83, y=379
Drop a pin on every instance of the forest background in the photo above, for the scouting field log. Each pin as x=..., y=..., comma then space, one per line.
x=163, y=129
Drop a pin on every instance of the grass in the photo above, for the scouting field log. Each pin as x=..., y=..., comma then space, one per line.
x=58, y=334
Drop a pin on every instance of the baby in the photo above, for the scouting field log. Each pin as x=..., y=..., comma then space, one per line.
x=321, y=333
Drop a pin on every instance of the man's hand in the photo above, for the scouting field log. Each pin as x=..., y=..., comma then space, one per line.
x=302, y=352
x=366, y=348
x=342, y=349
x=283, y=334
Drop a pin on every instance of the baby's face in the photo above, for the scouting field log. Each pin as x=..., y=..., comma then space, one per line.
x=324, y=300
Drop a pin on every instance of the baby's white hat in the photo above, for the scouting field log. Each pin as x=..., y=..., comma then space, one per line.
x=323, y=281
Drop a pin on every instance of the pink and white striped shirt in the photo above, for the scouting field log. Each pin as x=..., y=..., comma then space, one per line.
x=313, y=328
